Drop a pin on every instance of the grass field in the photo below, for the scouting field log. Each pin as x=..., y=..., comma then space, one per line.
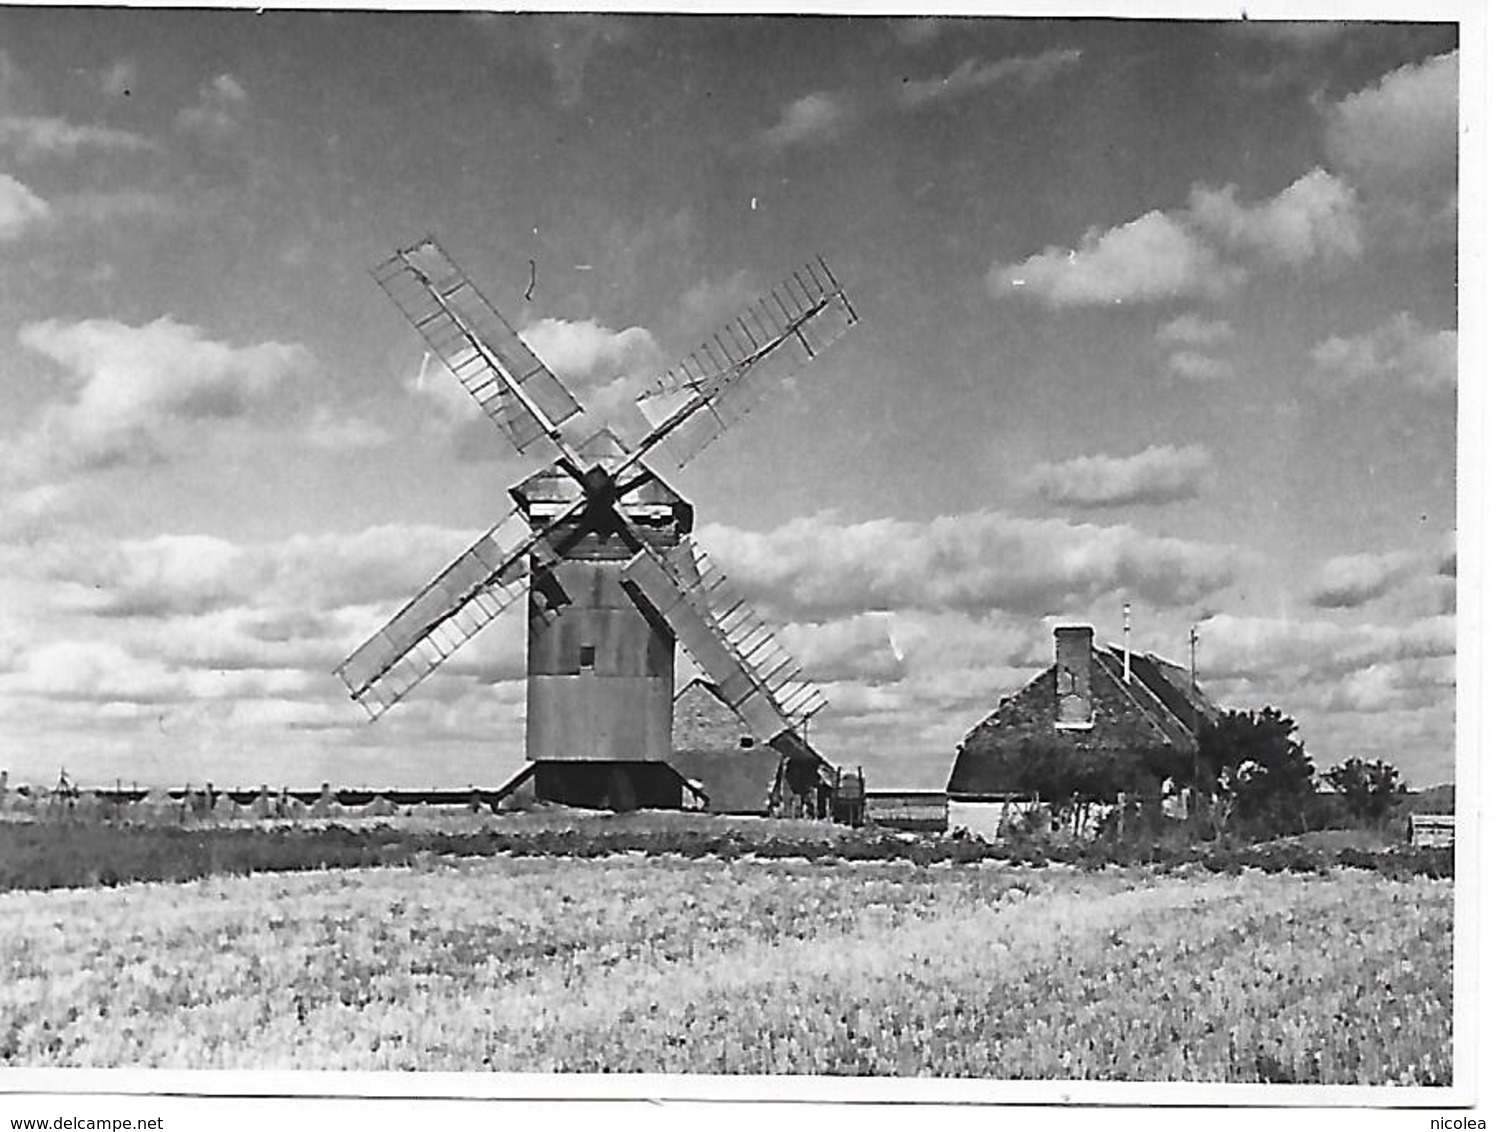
x=72, y=852
x=663, y=964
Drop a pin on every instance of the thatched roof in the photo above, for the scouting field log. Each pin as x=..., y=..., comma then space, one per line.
x=1158, y=708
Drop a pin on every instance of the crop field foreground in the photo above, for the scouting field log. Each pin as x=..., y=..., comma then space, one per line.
x=662, y=964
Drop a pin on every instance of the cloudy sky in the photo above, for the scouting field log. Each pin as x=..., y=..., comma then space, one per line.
x=1151, y=312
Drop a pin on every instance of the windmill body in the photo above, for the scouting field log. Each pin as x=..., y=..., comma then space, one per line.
x=600, y=666
x=601, y=546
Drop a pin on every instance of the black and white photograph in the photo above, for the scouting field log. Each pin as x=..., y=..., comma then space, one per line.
x=809, y=554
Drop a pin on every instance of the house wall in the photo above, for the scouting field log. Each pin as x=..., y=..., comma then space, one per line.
x=703, y=721
x=987, y=820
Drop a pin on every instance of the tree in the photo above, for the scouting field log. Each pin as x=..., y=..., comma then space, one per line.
x=1252, y=762
x=1072, y=778
x=1369, y=788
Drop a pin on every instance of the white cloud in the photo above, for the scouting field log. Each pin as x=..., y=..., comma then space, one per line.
x=130, y=386
x=198, y=647
x=177, y=573
x=1402, y=350
x=1150, y=258
x=817, y=115
x=195, y=650
x=1192, y=330
x=605, y=370
x=1202, y=250
x=31, y=512
x=1394, y=686
x=588, y=352
x=1024, y=71
x=88, y=669
x=1280, y=653
x=20, y=208
x=1158, y=474
x=1313, y=218
x=218, y=110
x=1401, y=133
x=861, y=647
x=824, y=115
x=1354, y=579
x=333, y=431
x=36, y=137
x=108, y=672
x=1354, y=689
x=816, y=567
x=1194, y=366
x=171, y=575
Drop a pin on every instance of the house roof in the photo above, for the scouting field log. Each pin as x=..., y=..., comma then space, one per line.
x=1171, y=684
x=1167, y=706
x=706, y=686
x=1168, y=726
x=735, y=782
x=739, y=779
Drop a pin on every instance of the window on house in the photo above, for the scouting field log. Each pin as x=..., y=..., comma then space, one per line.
x=745, y=742
x=589, y=656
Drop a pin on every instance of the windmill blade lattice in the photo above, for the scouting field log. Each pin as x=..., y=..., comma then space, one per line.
x=512, y=386
x=752, y=671
x=480, y=583
x=722, y=379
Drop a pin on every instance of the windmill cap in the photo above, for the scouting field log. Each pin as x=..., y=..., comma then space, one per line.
x=603, y=445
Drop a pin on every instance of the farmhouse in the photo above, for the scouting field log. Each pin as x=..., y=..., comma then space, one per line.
x=1101, y=700
x=715, y=751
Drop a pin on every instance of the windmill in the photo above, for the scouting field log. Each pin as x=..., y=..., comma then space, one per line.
x=601, y=545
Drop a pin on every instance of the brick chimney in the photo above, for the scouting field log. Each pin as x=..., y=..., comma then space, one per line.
x=1072, y=675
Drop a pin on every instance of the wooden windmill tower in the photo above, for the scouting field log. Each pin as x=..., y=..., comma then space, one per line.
x=602, y=545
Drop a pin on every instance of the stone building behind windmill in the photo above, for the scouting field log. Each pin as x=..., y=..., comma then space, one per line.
x=1103, y=700
x=716, y=752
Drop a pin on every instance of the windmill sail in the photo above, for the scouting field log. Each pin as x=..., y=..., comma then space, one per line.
x=511, y=385
x=737, y=651
x=479, y=585
x=721, y=380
